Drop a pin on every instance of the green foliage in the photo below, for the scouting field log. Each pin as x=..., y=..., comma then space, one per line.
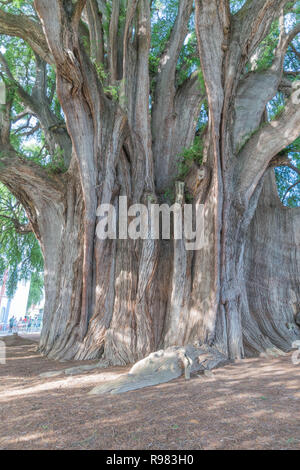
x=56, y=165
x=278, y=113
x=30, y=145
x=294, y=149
x=276, y=107
x=169, y=194
x=101, y=72
x=112, y=90
x=19, y=6
x=153, y=64
x=267, y=47
x=20, y=254
x=36, y=291
x=287, y=177
x=193, y=154
x=163, y=16
x=20, y=59
x=189, y=60
x=201, y=81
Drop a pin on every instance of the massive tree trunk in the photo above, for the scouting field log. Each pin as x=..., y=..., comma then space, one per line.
x=271, y=270
x=122, y=299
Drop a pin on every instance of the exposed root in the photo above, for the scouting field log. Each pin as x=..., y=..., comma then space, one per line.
x=272, y=352
x=164, y=366
x=75, y=370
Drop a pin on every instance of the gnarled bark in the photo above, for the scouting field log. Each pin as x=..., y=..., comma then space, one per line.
x=123, y=299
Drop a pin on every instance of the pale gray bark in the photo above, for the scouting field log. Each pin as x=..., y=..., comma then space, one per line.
x=272, y=271
x=166, y=107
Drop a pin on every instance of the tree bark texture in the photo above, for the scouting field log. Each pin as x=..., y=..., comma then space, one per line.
x=123, y=299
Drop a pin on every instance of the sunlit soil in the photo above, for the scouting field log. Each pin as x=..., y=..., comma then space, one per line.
x=252, y=404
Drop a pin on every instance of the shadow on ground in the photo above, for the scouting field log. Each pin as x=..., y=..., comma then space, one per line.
x=251, y=404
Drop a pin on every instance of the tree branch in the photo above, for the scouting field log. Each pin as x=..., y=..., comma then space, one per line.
x=248, y=27
x=39, y=105
x=252, y=23
x=77, y=12
x=21, y=229
x=94, y=18
x=27, y=29
x=130, y=13
x=29, y=183
x=271, y=139
x=165, y=89
x=264, y=85
x=212, y=28
x=113, y=40
x=286, y=39
x=62, y=37
x=289, y=189
x=22, y=115
x=32, y=186
x=170, y=55
x=283, y=160
x=295, y=50
x=5, y=124
x=293, y=167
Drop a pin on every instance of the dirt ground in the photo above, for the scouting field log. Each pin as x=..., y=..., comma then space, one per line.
x=251, y=404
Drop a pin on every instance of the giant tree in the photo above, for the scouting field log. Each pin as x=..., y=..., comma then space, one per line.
x=135, y=80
